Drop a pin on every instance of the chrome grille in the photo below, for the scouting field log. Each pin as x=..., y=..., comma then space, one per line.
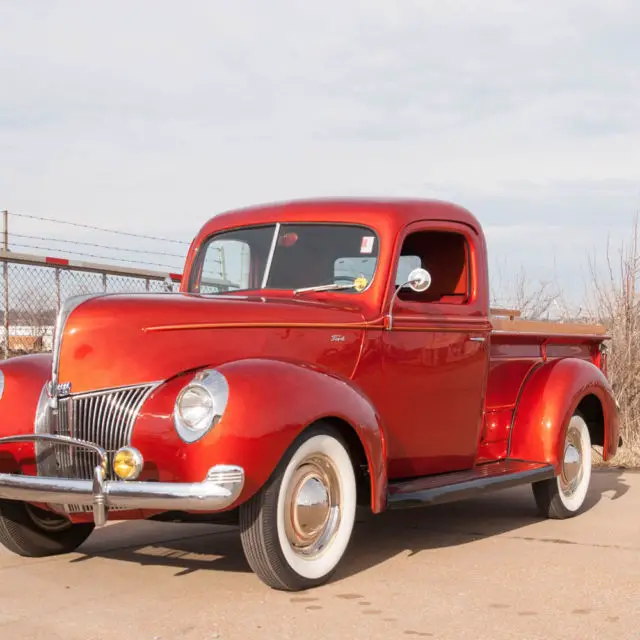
x=105, y=418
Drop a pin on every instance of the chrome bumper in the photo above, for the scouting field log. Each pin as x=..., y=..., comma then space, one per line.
x=218, y=490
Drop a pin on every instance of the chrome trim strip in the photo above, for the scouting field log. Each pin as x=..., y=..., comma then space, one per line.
x=45, y=454
x=272, y=250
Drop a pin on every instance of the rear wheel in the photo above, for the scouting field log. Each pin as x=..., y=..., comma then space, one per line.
x=564, y=496
x=35, y=533
x=297, y=528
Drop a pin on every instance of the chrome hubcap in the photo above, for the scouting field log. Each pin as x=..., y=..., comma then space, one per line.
x=312, y=514
x=572, y=468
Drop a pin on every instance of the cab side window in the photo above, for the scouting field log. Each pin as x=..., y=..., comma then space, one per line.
x=445, y=255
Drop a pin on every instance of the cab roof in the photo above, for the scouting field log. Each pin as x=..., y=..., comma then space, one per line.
x=382, y=214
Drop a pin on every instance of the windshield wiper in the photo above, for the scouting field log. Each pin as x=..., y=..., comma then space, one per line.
x=359, y=284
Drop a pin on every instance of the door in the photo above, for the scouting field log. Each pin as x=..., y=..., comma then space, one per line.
x=435, y=356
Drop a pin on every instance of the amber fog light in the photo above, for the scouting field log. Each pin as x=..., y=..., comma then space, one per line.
x=127, y=463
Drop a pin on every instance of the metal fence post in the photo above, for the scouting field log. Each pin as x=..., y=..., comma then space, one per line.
x=5, y=268
x=57, y=290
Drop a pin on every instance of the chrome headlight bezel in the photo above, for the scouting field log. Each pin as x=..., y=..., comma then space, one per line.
x=214, y=389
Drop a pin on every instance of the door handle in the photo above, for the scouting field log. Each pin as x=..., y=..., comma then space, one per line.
x=477, y=338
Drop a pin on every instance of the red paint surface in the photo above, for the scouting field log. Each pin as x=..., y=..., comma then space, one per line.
x=549, y=399
x=24, y=378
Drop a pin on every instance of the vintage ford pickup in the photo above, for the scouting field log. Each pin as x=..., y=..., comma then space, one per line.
x=320, y=355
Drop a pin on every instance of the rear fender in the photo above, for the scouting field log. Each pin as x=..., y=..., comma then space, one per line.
x=271, y=402
x=550, y=396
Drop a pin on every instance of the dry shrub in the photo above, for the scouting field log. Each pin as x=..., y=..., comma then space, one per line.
x=614, y=300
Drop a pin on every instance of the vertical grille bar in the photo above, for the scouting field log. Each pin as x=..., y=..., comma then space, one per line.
x=100, y=419
x=114, y=421
x=83, y=430
x=93, y=426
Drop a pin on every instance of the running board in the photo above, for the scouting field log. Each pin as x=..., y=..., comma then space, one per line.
x=460, y=485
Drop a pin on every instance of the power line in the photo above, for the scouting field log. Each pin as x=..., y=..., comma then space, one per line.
x=95, y=228
x=92, y=244
x=93, y=255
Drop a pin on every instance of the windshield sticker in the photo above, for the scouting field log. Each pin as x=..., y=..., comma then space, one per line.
x=366, y=246
x=360, y=284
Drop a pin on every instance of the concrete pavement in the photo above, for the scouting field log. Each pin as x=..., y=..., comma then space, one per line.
x=485, y=568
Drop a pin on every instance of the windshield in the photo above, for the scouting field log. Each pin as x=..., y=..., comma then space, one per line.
x=287, y=256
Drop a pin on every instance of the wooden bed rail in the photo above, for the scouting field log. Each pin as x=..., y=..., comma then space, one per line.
x=509, y=321
x=509, y=313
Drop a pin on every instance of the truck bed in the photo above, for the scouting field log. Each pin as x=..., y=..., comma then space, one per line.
x=517, y=348
x=509, y=321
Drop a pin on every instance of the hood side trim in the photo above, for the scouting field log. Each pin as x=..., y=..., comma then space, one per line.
x=265, y=325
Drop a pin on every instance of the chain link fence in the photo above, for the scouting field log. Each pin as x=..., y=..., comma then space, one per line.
x=32, y=289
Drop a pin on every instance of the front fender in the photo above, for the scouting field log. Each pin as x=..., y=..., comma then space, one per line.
x=547, y=401
x=24, y=378
x=270, y=404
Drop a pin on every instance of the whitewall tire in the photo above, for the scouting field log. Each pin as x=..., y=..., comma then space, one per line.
x=564, y=496
x=296, y=529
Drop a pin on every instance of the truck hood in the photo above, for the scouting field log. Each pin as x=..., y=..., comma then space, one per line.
x=116, y=340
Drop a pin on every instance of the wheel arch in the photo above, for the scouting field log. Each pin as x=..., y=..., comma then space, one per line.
x=357, y=453
x=294, y=398
x=550, y=396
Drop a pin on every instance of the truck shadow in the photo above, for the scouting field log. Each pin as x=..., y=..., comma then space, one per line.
x=191, y=548
x=505, y=513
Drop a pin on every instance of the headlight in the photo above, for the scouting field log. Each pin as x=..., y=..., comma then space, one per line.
x=200, y=405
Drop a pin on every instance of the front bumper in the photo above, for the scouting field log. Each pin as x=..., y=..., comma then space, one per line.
x=219, y=490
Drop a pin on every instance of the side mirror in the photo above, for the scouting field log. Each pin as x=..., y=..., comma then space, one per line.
x=419, y=280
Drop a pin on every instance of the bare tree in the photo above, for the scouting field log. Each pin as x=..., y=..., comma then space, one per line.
x=534, y=300
x=614, y=300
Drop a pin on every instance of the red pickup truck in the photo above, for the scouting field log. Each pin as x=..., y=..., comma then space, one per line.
x=319, y=356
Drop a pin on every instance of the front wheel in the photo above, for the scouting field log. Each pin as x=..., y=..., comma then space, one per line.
x=35, y=533
x=296, y=529
x=564, y=496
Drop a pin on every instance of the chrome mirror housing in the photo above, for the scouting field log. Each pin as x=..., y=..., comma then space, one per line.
x=419, y=280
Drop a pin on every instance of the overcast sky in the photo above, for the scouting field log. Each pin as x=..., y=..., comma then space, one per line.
x=153, y=116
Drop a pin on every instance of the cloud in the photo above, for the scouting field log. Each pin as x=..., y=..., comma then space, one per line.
x=154, y=115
